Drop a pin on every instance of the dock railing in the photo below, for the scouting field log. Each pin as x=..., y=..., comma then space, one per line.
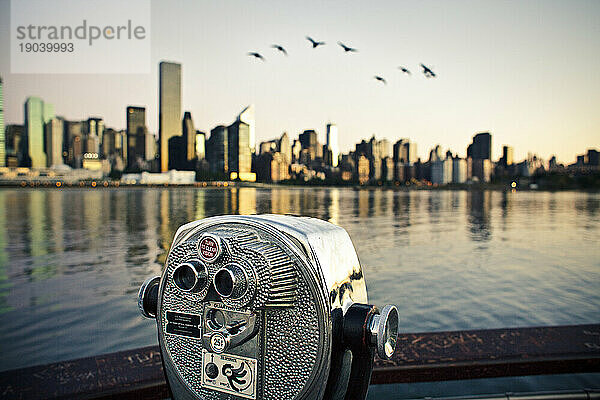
x=419, y=357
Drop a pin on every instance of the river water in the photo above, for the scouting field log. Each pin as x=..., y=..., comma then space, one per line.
x=72, y=260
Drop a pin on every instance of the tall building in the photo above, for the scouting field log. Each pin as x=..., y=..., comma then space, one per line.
x=247, y=117
x=93, y=131
x=136, y=135
x=37, y=114
x=200, y=145
x=73, y=142
x=54, y=142
x=238, y=146
x=285, y=148
x=480, y=153
x=459, y=170
x=507, y=156
x=2, y=133
x=441, y=171
x=405, y=151
x=169, y=106
x=332, y=143
x=308, y=141
x=216, y=150
x=296, y=149
x=189, y=136
x=14, y=133
x=481, y=148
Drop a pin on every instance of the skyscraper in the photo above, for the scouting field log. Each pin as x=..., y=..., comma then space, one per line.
x=216, y=149
x=37, y=114
x=189, y=136
x=169, y=105
x=2, y=135
x=238, y=147
x=73, y=142
x=332, y=143
x=481, y=148
x=247, y=117
x=54, y=142
x=285, y=148
x=136, y=135
x=200, y=145
x=94, y=130
x=507, y=156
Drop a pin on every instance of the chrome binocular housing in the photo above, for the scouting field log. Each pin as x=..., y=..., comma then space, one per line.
x=266, y=307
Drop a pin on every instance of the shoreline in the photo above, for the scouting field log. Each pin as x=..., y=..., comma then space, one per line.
x=107, y=184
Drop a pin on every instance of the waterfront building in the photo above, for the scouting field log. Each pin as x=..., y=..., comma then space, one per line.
x=200, y=145
x=405, y=151
x=285, y=148
x=73, y=143
x=239, y=157
x=177, y=150
x=296, y=149
x=387, y=169
x=54, y=132
x=592, y=158
x=272, y=167
x=268, y=147
x=136, y=136
x=507, y=156
x=189, y=137
x=459, y=170
x=481, y=169
x=94, y=131
x=169, y=106
x=362, y=169
x=37, y=114
x=14, y=134
x=247, y=117
x=481, y=148
x=309, y=142
x=399, y=172
x=441, y=171
x=333, y=144
x=479, y=151
x=347, y=167
x=216, y=150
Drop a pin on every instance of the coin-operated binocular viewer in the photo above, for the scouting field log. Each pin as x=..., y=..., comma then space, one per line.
x=266, y=307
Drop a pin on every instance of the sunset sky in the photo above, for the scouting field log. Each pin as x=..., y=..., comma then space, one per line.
x=526, y=71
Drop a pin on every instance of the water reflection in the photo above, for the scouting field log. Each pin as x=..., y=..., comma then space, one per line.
x=449, y=258
x=478, y=206
x=37, y=224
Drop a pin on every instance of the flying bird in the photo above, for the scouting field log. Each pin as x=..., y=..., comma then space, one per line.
x=315, y=44
x=346, y=48
x=280, y=48
x=427, y=72
x=380, y=79
x=257, y=55
x=404, y=70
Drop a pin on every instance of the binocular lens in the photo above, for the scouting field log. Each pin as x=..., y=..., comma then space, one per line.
x=231, y=281
x=185, y=277
x=224, y=281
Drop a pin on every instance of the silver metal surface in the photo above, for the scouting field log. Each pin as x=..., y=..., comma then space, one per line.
x=236, y=281
x=383, y=330
x=294, y=271
x=200, y=275
x=143, y=292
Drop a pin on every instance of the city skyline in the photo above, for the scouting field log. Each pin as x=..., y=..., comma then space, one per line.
x=521, y=89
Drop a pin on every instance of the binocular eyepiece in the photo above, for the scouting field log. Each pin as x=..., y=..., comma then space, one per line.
x=266, y=307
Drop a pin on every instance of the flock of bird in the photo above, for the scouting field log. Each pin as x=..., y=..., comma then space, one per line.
x=347, y=49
